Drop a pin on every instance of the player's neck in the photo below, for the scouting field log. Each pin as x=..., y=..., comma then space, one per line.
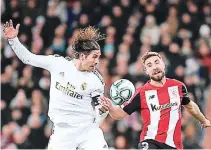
x=78, y=65
x=158, y=84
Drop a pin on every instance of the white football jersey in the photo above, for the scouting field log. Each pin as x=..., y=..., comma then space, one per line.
x=71, y=92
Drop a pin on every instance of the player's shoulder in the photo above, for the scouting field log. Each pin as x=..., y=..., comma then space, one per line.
x=98, y=77
x=174, y=81
x=146, y=86
x=60, y=59
x=138, y=90
x=67, y=58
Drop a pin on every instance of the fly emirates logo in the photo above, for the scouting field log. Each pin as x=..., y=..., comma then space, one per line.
x=161, y=107
x=68, y=90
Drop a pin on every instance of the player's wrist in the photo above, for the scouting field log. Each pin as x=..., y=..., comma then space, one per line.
x=14, y=39
x=203, y=120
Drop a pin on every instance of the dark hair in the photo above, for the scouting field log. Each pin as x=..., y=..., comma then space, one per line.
x=148, y=55
x=85, y=40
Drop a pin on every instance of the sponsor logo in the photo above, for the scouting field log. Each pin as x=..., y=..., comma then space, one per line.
x=151, y=97
x=68, y=90
x=161, y=107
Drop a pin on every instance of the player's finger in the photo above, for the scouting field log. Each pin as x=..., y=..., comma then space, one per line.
x=204, y=126
x=4, y=25
x=103, y=109
x=108, y=101
x=102, y=97
x=106, y=106
x=17, y=27
x=7, y=24
x=105, y=102
x=10, y=23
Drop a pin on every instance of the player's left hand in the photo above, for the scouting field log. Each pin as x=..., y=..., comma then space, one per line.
x=105, y=103
x=9, y=31
x=103, y=107
x=206, y=124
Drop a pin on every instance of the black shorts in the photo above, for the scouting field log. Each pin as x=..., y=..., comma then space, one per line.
x=152, y=144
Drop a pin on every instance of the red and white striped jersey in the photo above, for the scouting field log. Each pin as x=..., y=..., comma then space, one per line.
x=160, y=108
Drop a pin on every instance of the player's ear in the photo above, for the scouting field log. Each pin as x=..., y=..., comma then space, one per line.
x=145, y=71
x=82, y=56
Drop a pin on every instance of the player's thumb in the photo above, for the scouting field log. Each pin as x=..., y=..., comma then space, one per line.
x=17, y=27
x=108, y=101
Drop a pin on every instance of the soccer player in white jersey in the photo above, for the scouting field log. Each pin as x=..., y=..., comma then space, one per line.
x=74, y=91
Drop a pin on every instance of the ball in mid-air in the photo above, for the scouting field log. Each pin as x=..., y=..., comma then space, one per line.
x=121, y=91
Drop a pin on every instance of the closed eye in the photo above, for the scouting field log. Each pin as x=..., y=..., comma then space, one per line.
x=157, y=61
x=96, y=56
x=149, y=65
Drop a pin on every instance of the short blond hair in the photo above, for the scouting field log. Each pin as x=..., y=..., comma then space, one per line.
x=148, y=55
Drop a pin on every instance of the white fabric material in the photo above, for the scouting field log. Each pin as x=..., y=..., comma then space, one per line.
x=174, y=114
x=68, y=137
x=152, y=98
x=71, y=93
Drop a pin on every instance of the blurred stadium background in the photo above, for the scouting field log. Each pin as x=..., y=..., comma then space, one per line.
x=178, y=29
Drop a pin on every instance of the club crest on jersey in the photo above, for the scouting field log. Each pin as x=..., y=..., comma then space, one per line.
x=174, y=93
x=83, y=86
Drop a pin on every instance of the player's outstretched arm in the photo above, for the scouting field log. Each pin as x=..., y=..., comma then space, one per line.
x=115, y=112
x=194, y=110
x=22, y=53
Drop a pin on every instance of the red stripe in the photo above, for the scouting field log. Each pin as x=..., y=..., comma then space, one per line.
x=177, y=132
x=177, y=135
x=145, y=114
x=163, y=125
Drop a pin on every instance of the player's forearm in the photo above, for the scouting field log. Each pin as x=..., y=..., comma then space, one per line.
x=29, y=58
x=117, y=113
x=22, y=53
x=196, y=113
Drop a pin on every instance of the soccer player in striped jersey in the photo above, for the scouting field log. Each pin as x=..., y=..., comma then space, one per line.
x=74, y=91
x=159, y=103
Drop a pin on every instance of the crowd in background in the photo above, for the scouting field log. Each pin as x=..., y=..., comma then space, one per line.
x=178, y=29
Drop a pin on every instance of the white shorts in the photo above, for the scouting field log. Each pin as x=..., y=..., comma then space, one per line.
x=66, y=137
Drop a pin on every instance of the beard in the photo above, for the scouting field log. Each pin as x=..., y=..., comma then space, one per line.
x=158, y=78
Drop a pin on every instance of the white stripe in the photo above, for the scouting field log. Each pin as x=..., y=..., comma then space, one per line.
x=174, y=114
x=152, y=99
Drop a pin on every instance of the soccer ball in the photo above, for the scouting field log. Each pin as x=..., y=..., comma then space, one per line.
x=121, y=91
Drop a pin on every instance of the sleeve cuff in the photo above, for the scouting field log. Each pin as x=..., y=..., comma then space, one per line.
x=11, y=41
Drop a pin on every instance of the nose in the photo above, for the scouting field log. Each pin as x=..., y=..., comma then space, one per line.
x=154, y=67
x=97, y=61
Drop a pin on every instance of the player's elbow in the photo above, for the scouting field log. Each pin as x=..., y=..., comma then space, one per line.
x=192, y=108
x=118, y=116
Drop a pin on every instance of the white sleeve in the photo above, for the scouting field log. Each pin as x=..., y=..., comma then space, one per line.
x=96, y=102
x=41, y=61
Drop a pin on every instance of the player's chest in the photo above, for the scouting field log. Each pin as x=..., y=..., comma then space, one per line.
x=161, y=99
x=70, y=81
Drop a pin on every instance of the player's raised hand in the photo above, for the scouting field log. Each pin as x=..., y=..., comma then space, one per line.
x=9, y=31
x=206, y=124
